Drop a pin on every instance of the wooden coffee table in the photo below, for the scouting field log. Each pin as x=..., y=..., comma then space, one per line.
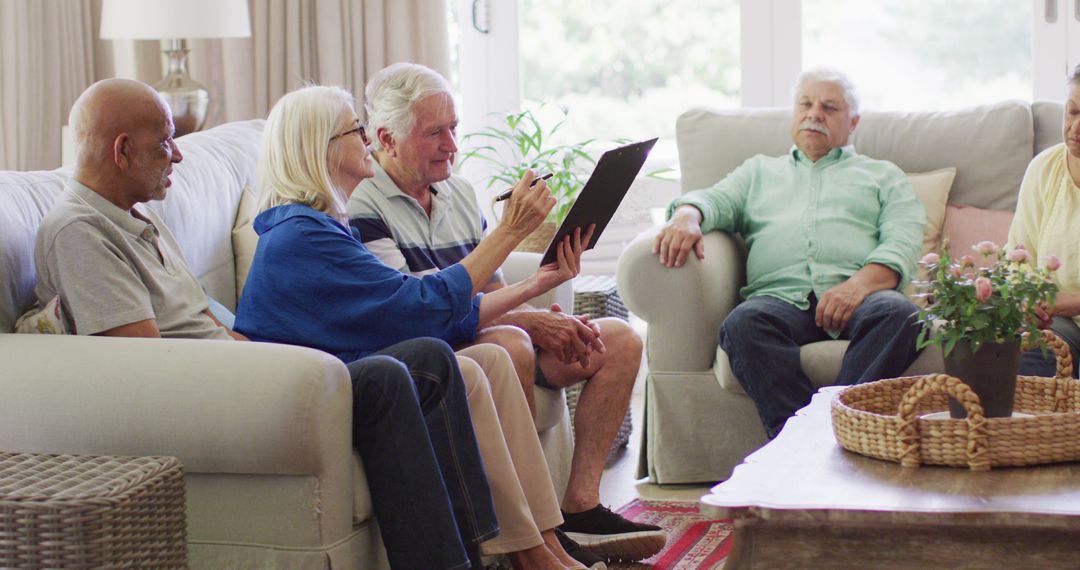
x=804, y=502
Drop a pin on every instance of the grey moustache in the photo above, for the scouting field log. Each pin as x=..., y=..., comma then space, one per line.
x=812, y=126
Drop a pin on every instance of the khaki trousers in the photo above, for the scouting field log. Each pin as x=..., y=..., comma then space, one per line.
x=521, y=486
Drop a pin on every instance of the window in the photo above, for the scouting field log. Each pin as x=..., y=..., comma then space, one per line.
x=631, y=66
x=628, y=68
x=629, y=72
x=931, y=54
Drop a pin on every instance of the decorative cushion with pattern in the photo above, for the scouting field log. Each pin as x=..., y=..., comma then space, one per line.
x=48, y=319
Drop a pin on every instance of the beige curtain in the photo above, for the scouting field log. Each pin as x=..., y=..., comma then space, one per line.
x=330, y=42
x=49, y=53
x=47, y=58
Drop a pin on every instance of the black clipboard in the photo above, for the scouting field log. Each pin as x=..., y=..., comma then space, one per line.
x=602, y=194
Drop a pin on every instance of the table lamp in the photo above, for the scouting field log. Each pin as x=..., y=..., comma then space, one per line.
x=177, y=21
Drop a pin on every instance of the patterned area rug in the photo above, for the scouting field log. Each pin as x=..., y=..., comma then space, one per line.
x=695, y=541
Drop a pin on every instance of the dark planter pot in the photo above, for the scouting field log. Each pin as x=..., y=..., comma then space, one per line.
x=991, y=373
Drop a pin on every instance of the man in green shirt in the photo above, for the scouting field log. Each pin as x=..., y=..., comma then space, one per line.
x=832, y=235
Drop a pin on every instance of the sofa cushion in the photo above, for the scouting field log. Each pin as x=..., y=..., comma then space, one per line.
x=966, y=226
x=990, y=146
x=932, y=188
x=47, y=319
x=821, y=363
x=25, y=197
x=244, y=238
x=1048, y=127
x=714, y=142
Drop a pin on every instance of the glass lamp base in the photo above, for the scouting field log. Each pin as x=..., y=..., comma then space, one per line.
x=187, y=98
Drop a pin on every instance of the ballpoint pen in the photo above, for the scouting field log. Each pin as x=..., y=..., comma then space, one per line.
x=506, y=195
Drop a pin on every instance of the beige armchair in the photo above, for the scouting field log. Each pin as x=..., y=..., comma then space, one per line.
x=698, y=422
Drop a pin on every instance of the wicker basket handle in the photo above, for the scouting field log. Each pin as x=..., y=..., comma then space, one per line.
x=907, y=431
x=1063, y=380
x=1061, y=351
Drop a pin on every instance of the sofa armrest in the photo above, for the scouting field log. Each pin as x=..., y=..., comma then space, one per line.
x=522, y=264
x=219, y=406
x=683, y=306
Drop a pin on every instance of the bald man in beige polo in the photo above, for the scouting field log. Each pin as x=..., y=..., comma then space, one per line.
x=116, y=267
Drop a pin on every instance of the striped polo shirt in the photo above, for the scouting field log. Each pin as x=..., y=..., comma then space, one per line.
x=394, y=226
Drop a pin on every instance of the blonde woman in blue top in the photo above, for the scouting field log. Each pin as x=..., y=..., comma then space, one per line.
x=313, y=283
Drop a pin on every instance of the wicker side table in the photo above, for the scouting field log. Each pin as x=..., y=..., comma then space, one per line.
x=87, y=511
x=597, y=296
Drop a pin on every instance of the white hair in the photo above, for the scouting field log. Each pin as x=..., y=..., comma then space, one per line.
x=824, y=73
x=1074, y=77
x=295, y=154
x=393, y=91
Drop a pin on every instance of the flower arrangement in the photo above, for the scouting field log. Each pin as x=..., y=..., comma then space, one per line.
x=995, y=303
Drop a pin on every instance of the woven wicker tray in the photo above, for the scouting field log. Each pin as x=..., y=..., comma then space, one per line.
x=91, y=511
x=882, y=420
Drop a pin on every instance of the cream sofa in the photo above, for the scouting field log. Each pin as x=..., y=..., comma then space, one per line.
x=698, y=422
x=262, y=429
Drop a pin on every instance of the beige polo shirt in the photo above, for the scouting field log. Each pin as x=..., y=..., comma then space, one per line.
x=112, y=268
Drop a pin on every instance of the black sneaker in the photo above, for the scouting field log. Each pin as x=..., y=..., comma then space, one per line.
x=613, y=537
x=580, y=553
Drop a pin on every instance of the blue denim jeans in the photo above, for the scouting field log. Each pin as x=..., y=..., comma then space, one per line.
x=411, y=426
x=1033, y=363
x=762, y=336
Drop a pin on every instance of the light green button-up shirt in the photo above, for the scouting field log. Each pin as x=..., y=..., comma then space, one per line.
x=812, y=225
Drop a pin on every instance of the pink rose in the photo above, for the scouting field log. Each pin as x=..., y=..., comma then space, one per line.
x=985, y=247
x=955, y=272
x=983, y=289
x=930, y=259
x=967, y=261
x=1019, y=255
x=1052, y=262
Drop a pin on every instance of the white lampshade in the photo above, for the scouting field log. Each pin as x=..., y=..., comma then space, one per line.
x=174, y=19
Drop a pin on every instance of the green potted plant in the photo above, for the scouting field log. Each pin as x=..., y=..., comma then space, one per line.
x=521, y=142
x=978, y=314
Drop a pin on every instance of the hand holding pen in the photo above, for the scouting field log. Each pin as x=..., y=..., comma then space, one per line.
x=528, y=206
x=506, y=195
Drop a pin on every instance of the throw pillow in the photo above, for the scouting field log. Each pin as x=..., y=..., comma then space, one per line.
x=966, y=226
x=932, y=189
x=47, y=319
x=244, y=238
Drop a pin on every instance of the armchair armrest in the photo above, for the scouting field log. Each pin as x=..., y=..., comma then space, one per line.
x=219, y=406
x=683, y=306
x=522, y=264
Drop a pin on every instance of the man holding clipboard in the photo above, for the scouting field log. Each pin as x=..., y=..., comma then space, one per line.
x=418, y=216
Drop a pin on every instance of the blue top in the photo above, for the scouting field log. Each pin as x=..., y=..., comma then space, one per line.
x=314, y=284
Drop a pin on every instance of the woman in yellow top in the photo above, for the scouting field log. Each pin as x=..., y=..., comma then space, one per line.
x=1046, y=222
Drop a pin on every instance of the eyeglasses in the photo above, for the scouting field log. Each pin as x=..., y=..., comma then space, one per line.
x=359, y=130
